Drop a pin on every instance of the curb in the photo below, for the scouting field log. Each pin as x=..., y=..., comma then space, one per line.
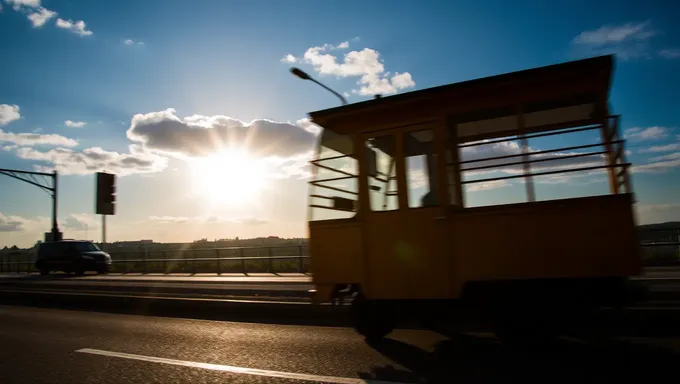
x=161, y=279
x=163, y=288
x=278, y=312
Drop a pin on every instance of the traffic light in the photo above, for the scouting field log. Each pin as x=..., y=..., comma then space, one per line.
x=106, y=194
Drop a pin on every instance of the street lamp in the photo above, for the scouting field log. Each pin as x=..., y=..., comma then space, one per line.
x=304, y=76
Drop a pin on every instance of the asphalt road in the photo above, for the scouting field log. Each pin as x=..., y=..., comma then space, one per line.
x=60, y=346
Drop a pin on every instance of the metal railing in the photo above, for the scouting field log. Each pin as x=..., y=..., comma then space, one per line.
x=294, y=259
x=270, y=263
x=608, y=154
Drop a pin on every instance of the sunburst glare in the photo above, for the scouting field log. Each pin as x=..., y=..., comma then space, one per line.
x=229, y=177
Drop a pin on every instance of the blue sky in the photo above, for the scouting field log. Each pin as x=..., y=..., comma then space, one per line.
x=221, y=65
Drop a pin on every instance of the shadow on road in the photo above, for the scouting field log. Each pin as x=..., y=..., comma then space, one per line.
x=470, y=359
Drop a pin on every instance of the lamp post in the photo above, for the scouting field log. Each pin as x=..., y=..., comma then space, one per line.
x=304, y=76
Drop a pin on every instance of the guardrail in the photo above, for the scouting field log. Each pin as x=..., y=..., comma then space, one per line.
x=223, y=260
x=240, y=263
x=661, y=244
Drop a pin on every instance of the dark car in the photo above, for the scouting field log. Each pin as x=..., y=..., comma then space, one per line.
x=72, y=256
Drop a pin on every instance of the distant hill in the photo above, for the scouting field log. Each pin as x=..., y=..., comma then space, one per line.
x=669, y=231
x=660, y=226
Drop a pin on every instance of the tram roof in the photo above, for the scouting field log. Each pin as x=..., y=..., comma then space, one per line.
x=487, y=106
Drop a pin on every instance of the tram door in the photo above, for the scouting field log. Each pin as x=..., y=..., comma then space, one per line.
x=405, y=226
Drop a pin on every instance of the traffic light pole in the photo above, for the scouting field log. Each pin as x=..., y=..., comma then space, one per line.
x=103, y=231
x=29, y=177
x=55, y=224
x=105, y=199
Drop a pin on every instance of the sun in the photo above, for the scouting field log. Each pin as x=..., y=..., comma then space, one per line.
x=230, y=177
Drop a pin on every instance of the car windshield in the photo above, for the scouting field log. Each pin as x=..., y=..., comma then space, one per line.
x=86, y=247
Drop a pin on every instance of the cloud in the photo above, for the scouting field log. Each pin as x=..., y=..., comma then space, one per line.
x=365, y=64
x=241, y=220
x=79, y=27
x=11, y=223
x=17, y=4
x=206, y=219
x=658, y=207
x=90, y=160
x=289, y=59
x=198, y=135
x=169, y=219
x=132, y=42
x=40, y=16
x=488, y=185
x=662, y=148
x=36, y=139
x=8, y=114
x=659, y=164
x=74, y=124
x=628, y=41
x=73, y=222
x=35, y=13
x=672, y=53
x=284, y=148
x=557, y=160
x=294, y=167
x=650, y=133
x=574, y=178
x=615, y=34
x=671, y=156
x=307, y=125
x=79, y=222
x=656, y=167
x=505, y=167
x=657, y=212
x=374, y=84
x=355, y=63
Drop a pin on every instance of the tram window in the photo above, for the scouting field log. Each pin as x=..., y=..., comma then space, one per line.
x=421, y=169
x=383, y=194
x=334, y=190
x=453, y=176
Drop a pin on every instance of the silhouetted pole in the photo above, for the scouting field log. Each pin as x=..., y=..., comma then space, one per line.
x=103, y=231
x=304, y=76
x=29, y=177
x=55, y=224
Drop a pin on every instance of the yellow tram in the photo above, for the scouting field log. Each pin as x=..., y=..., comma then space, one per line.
x=389, y=214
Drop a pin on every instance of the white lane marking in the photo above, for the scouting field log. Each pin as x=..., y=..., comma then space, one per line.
x=232, y=369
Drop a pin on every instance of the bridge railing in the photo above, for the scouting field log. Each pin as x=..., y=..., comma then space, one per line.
x=280, y=259
x=246, y=260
